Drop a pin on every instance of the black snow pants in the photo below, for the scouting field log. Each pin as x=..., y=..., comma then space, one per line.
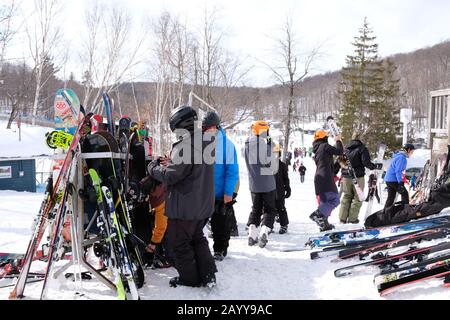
x=393, y=188
x=193, y=259
x=282, y=213
x=220, y=227
x=267, y=201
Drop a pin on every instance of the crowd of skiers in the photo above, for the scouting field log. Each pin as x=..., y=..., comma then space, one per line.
x=188, y=190
x=352, y=160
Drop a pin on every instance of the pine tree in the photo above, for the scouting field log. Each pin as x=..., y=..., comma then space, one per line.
x=392, y=105
x=367, y=91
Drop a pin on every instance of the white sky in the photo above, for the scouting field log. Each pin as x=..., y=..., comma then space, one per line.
x=400, y=25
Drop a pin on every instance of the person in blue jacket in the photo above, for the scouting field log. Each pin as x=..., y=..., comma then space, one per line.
x=394, y=176
x=226, y=177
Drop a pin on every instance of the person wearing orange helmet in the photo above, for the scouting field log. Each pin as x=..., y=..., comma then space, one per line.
x=324, y=184
x=260, y=162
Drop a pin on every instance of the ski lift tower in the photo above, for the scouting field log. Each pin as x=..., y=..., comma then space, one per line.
x=439, y=126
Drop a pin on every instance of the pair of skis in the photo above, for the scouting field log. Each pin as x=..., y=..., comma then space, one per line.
x=352, y=237
x=118, y=255
x=387, y=261
x=375, y=186
x=388, y=281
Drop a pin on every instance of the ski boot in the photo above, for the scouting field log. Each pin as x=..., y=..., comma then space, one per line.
x=220, y=255
x=264, y=237
x=252, y=235
x=176, y=281
x=283, y=230
x=321, y=221
x=210, y=281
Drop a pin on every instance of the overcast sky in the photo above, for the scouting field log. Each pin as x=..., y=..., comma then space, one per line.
x=400, y=25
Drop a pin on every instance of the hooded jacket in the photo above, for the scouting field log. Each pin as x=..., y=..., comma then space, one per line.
x=359, y=158
x=323, y=156
x=398, y=165
x=258, y=158
x=190, y=185
x=226, y=169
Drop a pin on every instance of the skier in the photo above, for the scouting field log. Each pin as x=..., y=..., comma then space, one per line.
x=413, y=182
x=258, y=158
x=283, y=191
x=189, y=202
x=302, y=171
x=359, y=157
x=155, y=253
x=226, y=177
x=373, y=190
x=394, y=176
x=326, y=190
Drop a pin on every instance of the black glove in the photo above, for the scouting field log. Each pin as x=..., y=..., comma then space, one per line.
x=288, y=193
x=147, y=185
x=378, y=166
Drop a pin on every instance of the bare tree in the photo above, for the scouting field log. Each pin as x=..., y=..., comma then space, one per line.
x=44, y=33
x=293, y=68
x=210, y=40
x=110, y=51
x=162, y=74
x=7, y=29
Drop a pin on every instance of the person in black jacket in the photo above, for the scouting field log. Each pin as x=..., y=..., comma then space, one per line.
x=302, y=171
x=359, y=158
x=283, y=191
x=324, y=183
x=190, y=201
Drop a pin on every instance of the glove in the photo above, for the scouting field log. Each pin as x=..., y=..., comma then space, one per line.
x=288, y=193
x=147, y=185
x=378, y=166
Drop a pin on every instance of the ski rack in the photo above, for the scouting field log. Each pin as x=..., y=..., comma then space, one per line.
x=77, y=229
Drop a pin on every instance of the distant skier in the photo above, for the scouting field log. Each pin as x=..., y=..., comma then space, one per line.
x=413, y=182
x=394, y=176
x=359, y=158
x=302, y=171
x=283, y=191
x=324, y=183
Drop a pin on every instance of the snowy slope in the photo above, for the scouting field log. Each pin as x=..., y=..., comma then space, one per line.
x=32, y=141
x=247, y=272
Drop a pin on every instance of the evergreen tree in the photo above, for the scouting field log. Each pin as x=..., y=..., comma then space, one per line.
x=367, y=91
x=392, y=105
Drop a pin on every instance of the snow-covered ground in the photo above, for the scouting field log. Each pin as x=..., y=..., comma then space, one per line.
x=247, y=272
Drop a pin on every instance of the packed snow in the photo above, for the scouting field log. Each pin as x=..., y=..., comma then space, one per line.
x=246, y=273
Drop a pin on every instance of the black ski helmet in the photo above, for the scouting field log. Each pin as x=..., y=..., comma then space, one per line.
x=183, y=118
x=408, y=147
x=211, y=119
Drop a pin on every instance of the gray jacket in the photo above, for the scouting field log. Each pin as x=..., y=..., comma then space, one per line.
x=190, y=186
x=261, y=165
